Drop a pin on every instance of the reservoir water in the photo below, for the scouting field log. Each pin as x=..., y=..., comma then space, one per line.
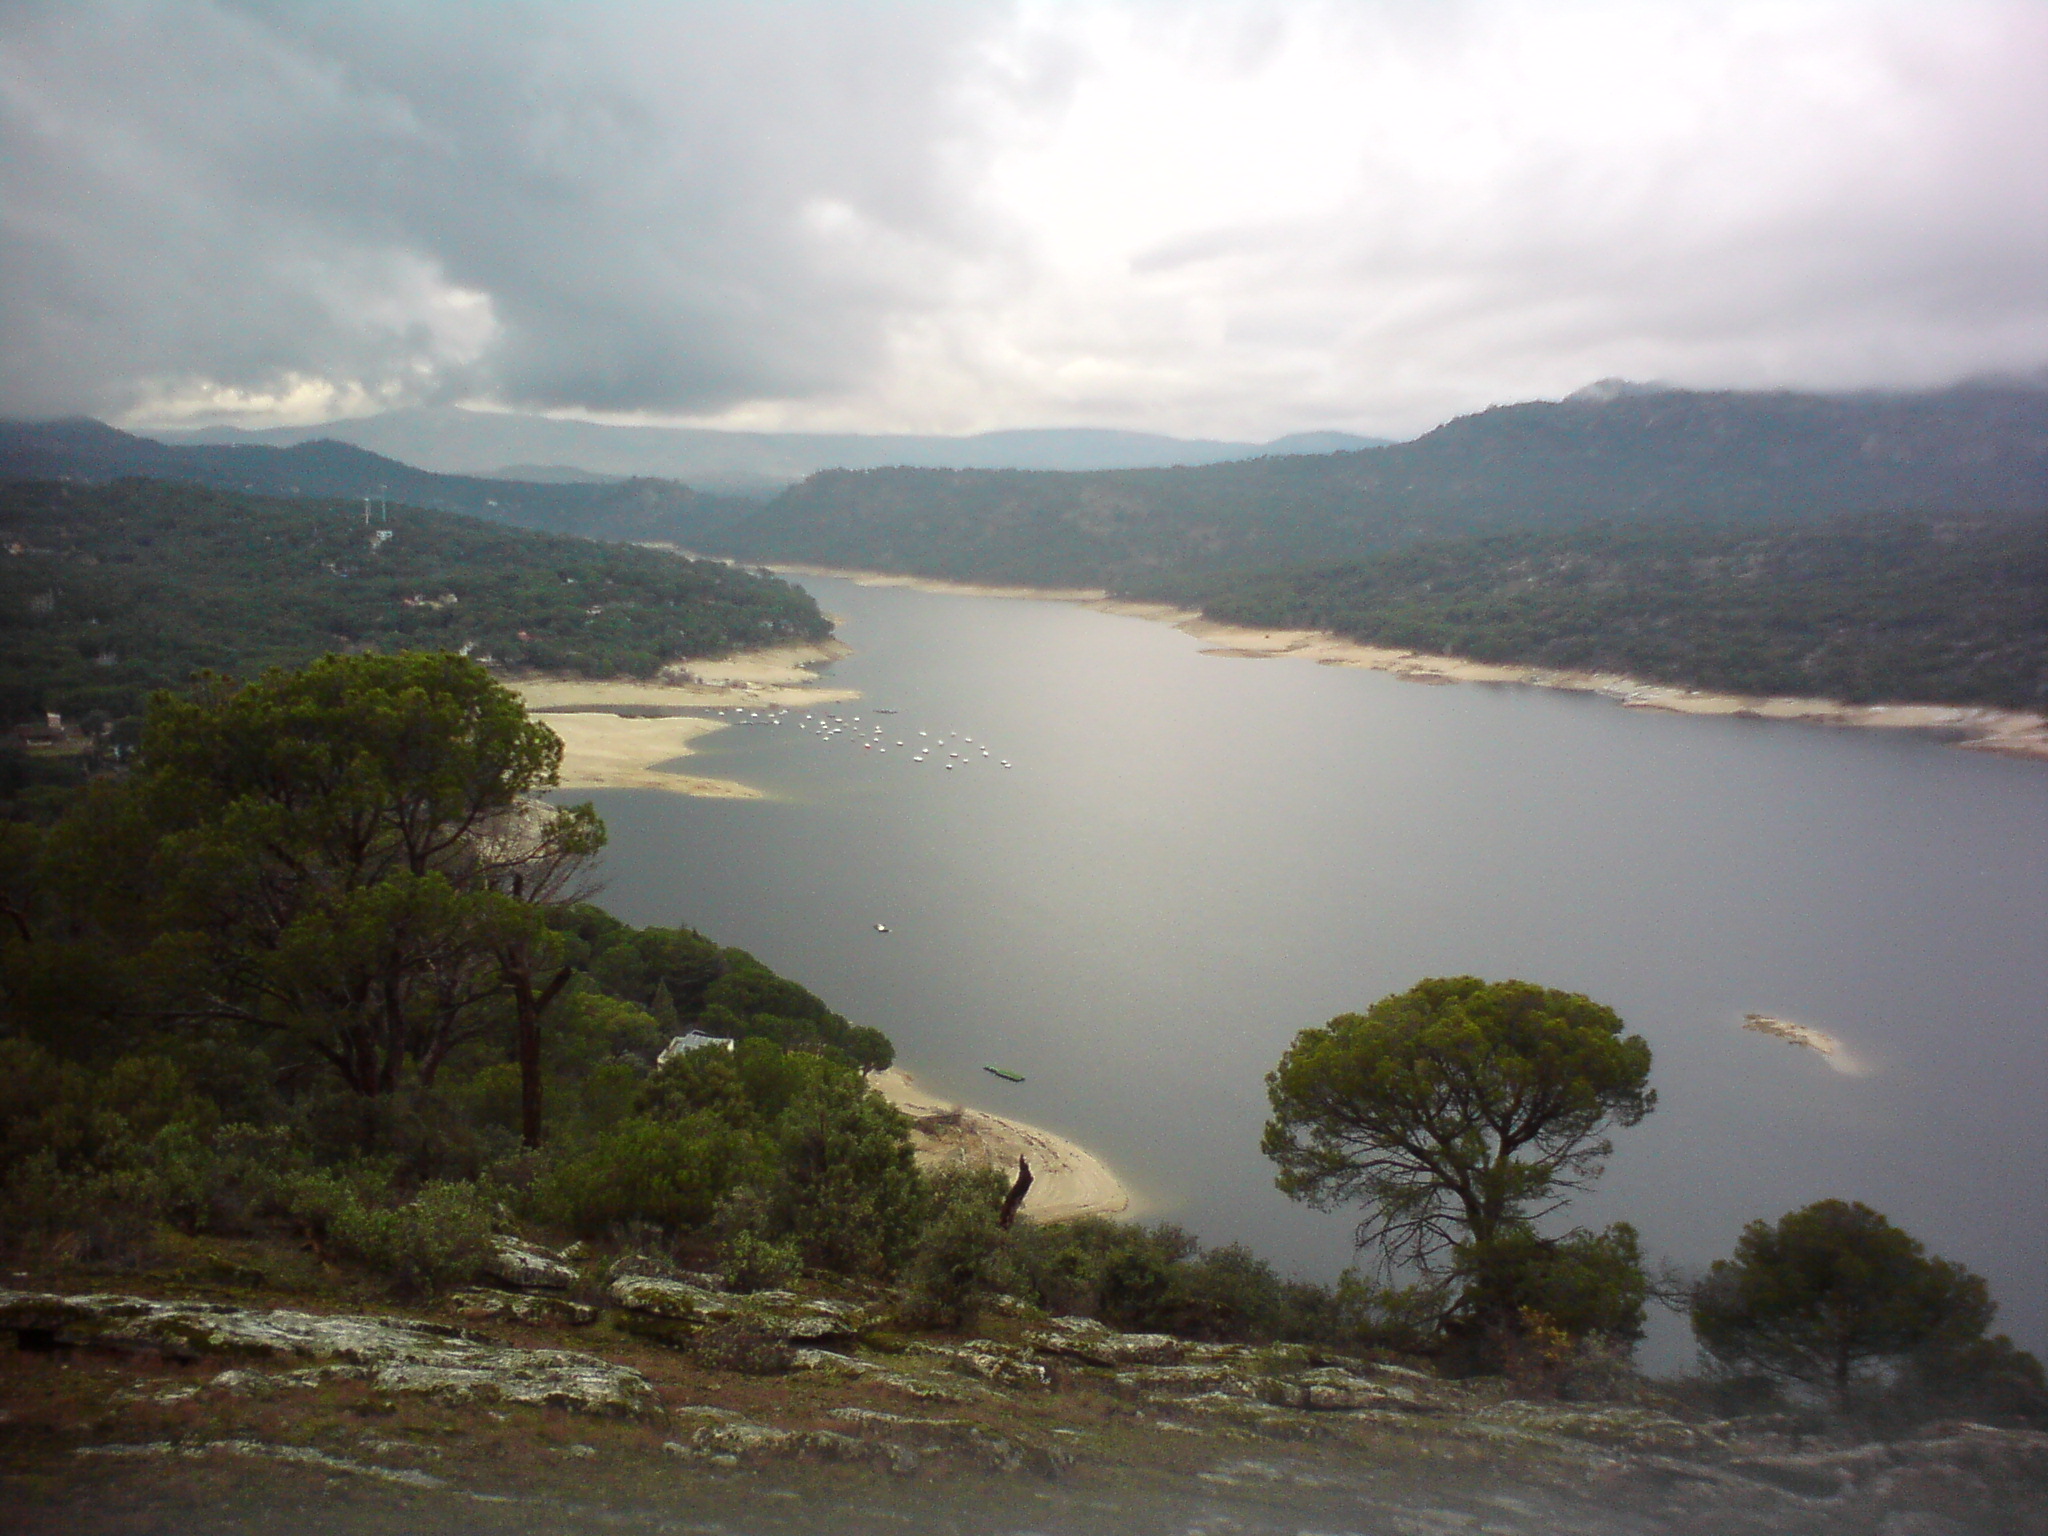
x=1194, y=856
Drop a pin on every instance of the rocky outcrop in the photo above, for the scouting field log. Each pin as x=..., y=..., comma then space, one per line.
x=1093, y=1343
x=521, y=1266
x=675, y=1311
x=541, y=1311
x=394, y=1355
x=1382, y=1447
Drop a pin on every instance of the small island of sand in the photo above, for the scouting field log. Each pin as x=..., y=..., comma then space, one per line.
x=1798, y=1034
x=1066, y=1180
x=1806, y=1037
x=616, y=732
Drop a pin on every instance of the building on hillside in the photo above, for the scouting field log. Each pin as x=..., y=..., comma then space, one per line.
x=694, y=1040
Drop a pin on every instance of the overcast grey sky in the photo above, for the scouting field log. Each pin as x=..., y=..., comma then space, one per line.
x=1228, y=219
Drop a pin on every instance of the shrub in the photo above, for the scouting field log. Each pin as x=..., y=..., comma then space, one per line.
x=1529, y=1299
x=750, y=1262
x=846, y=1187
x=961, y=1254
x=436, y=1239
x=671, y=1173
x=1399, y=1319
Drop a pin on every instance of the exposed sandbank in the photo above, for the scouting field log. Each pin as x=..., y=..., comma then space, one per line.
x=601, y=751
x=1066, y=1180
x=2017, y=733
x=1805, y=1036
x=614, y=731
x=946, y=588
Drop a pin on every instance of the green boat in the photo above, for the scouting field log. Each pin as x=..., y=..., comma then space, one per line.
x=1008, y=1077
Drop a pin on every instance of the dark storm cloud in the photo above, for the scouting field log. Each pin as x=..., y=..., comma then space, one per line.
x=1220, y=217
x=620, y=207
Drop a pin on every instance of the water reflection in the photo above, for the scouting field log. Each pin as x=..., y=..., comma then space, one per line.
x=1194, y=857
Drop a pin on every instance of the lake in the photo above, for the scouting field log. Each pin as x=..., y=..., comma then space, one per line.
x=1194, y=856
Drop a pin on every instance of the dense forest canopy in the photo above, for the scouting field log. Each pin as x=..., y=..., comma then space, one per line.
x=1950, y=610
x=110, y=591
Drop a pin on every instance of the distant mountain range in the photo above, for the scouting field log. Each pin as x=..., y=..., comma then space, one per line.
x=637, y=509
x=1611, y=453
x=456, y=441
x=1877, y=546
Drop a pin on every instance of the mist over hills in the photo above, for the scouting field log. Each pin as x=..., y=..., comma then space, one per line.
x=1608, y=454
x=456, y=441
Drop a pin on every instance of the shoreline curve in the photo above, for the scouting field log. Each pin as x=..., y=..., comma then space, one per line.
x=1979, y=728
x=1067, y=1180
x=617, y=732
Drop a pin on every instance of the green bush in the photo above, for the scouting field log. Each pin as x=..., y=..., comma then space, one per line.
x=750, y=1262
x=436, y=1239
x=670, y=1173
x=1585, y=1285
x=1397, y=1319
x=961, y=1255
x=846, y=1188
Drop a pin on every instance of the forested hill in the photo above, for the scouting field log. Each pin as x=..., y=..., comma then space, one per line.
x=1971, y=450
x=633, y=509
x=109, y=591
x=1865, y=608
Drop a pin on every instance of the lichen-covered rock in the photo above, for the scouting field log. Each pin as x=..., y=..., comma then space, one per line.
x=1093, y=1343
x=831, y=1363
x=510, y=1307
x=960, y=1437
x=1187, y=1380
x=674, y=1310
x=1616, y=1426
x=399, y=1355
x=1331, y=1389
x=521, y=1266
x=1002, y=1364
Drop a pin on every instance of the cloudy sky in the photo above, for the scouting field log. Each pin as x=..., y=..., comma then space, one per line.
x=1229, y=219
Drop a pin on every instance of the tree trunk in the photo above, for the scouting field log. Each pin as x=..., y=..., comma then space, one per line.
x=1014, y=1200
x=528, y=1008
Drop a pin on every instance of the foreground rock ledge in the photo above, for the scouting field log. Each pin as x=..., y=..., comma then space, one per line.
x=392, y=1354
x=1300, y=1439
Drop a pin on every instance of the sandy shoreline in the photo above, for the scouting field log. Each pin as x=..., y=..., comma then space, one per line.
x=1066, y=1180
x=2016, y=733
x=615, y=731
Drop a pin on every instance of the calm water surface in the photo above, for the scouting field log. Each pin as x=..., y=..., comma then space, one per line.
x=1195, y=856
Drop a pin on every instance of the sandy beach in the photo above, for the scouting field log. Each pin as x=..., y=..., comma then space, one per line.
x=1066, y=1180
x=616, y=730
x=945, y=588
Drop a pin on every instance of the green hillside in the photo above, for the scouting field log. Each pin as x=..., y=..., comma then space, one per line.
x=1865, y=609
x=1675, y=455
x=110, y=591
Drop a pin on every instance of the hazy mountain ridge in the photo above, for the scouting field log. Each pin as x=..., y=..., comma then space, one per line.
x=451, y=440
x=1621, y=455
x=628, y=510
